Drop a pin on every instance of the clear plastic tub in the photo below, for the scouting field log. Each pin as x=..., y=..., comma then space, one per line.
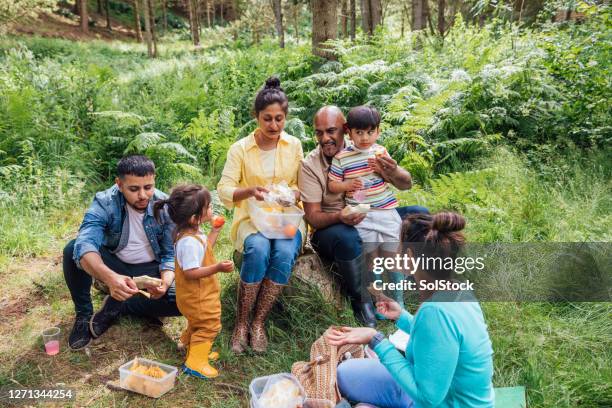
x=275, y=222
x=259, y=384
x=143, y=384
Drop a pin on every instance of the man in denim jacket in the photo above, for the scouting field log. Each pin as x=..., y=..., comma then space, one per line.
x=118, y=240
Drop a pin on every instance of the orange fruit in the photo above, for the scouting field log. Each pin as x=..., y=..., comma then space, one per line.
x=289, y=230
x=218, y=221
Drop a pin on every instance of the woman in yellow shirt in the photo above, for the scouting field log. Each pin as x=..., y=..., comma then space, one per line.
x=267, y=156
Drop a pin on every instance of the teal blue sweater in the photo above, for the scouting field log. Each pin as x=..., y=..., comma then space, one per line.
x=449, y=358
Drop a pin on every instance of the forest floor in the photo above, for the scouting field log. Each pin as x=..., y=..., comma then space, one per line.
x=52, y=25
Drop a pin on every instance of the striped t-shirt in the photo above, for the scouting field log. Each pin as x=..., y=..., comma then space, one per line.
x=352, y=163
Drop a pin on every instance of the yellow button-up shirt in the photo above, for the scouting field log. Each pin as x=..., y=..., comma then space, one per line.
x=243, y=168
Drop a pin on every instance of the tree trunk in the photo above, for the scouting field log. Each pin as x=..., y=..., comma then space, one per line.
x=148, y=33
x=427, y=17
x=344, y=18
x=208, y=22
x=353, y=11
x=84, y=16
x=404, y=16
x=417, y=15
x=371, y=15
x=165, y=15
x=193, y=22
x=375, y=14
x=296, y=21
x=441, y=22
x=278, y=22
x=152, y=17
x=99, y=6
x=221, y=12
x=108, y=22
x=195, y=33
x=324, y=26
x=137, y=20
x=365, y=16
x=197, y=14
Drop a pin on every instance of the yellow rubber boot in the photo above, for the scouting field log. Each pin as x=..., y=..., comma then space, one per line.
x=213, y=356
x=197, y=363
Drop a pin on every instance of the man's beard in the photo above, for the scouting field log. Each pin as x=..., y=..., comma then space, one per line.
x=328, y=145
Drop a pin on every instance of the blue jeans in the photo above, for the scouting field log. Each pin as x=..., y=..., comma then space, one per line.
x=269, y=258
x=367, y=380
x=341, y=242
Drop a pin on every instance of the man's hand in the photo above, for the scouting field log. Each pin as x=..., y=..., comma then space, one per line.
x=258, y=192
x=352, y=219
x=225, y=266
x=384, y=165
x=339, y=336
x=121, y=287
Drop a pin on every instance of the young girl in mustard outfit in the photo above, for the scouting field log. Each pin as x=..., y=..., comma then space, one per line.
x=198, y=293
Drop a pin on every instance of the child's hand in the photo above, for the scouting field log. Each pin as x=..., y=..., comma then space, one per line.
x=225, y=266
x=217, y=222
x=355, y=184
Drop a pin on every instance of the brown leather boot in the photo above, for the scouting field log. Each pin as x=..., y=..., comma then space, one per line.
x=247, y=295
x=267, y=297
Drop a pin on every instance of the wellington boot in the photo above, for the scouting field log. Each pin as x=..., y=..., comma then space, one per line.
x=197, y=363
x=247, y=296
x=181, y=348
x=267, y=298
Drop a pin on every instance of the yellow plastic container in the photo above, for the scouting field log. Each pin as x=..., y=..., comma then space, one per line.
x=275, y=222
x=144, y=384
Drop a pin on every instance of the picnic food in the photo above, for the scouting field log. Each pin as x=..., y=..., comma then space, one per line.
x=218, y=221
x=290, y=230
x=283, y=393
x=361, y=209
x=379, y=152
x=142, y=385
x=281, y=194
x=144, y=281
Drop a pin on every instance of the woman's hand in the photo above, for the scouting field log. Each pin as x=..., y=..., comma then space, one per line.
x=338, y=336
x=389, y=308
x=258, y=192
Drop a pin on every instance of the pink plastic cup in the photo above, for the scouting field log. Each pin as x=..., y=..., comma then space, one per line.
x=51, y=337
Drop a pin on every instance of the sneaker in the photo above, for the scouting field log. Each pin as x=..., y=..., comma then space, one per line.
x=105, y=317
x=80, y=336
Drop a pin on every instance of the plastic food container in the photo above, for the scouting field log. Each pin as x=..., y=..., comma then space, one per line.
x=275, y=222
x=143, y=384
x=260, y=385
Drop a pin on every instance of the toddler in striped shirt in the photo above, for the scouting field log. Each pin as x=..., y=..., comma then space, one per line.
x=351, y=173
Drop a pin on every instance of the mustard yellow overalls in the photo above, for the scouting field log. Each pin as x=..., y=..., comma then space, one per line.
x=199, y=300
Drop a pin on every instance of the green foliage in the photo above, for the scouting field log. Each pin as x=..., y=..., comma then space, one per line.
x=509, y=127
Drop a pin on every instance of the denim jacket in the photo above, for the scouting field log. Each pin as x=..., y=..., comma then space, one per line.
x=106, y=223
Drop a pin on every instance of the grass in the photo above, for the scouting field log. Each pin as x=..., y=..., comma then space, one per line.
x=561, y=352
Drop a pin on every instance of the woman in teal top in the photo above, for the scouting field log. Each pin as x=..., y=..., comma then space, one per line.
x=448, y=360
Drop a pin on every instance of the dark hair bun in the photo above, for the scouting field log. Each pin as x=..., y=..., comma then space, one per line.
x=272, y=83
x=445, y=222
